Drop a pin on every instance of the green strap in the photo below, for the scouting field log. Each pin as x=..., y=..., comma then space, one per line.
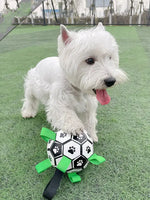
x=96, y=160
x=47, y=134
x=42, y=166
x=64, y=164
x=74, y=177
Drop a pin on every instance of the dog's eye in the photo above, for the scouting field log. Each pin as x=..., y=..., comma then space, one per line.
x=90, y=61
x=110, y=57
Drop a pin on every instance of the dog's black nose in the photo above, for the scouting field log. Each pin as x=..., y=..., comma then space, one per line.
x=110, y=81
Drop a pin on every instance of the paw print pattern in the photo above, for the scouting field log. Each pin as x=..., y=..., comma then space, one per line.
x=72, y=149
x=80, y=137
x=62, y=135
x=79, y=163
x=56, y=149
x=88, y=149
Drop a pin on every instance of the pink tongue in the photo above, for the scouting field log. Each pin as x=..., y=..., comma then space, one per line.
x=102, y=97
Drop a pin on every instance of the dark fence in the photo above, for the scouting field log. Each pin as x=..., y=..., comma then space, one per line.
x=116, y=20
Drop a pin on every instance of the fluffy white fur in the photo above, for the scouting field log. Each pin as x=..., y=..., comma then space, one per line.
x=65, y=84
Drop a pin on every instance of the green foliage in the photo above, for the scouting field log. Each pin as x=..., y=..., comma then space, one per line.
x=123, y=125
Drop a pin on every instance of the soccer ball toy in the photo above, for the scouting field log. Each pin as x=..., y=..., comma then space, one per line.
x=67, y=153
x=76, y=148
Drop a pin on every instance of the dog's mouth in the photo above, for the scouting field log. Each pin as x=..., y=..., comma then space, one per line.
x=102, y=96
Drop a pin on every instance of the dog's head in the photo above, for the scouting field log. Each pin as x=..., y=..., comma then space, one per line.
x=90, y=61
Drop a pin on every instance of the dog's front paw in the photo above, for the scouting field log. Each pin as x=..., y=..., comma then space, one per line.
x=74, y=130
x=28, y=114
x=77, y=131
x=95, y=138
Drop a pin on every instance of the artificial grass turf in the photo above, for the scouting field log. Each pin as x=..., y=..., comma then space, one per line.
x=123, y=125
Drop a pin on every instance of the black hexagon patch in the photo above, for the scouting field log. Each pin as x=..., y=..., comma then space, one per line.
x=80, y=138
x=80, y=162
x=56, y=149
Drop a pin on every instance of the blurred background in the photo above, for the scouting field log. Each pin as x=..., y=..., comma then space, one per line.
x=123, y=125
x=78, y=11
x=72, y=12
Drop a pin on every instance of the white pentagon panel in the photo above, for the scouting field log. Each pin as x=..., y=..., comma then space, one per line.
x=72, y=149
x=87, y=149
x=62, y=136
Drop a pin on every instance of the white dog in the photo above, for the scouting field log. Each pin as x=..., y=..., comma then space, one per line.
x=70, y=85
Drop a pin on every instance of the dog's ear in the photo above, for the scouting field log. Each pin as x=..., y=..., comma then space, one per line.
x=100, y=26
x=65, y=34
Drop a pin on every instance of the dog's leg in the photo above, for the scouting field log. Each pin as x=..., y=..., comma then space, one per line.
x=89, y=120
x=30, y=105
x=91, y=125
x=61, y=117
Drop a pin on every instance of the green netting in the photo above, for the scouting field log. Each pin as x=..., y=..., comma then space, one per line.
x=26, y=7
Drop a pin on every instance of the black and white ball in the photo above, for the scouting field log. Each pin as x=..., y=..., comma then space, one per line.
x=77, y=148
